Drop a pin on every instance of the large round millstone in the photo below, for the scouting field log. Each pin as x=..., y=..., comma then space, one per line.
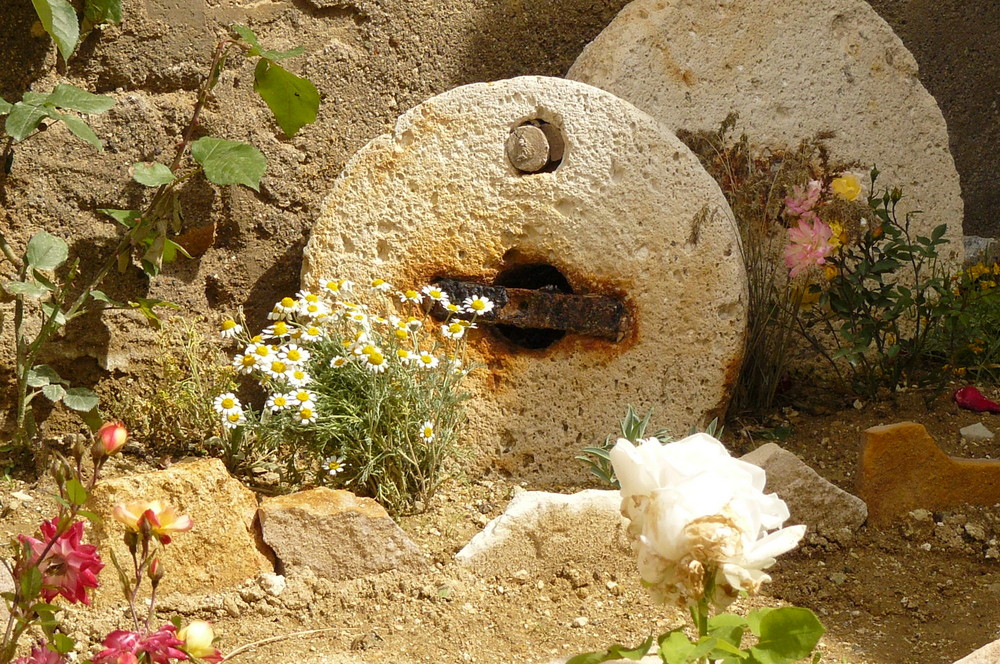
x=790, y=70
x=628, y=212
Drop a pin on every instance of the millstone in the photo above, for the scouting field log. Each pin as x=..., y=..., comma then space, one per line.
x=622, y=209
x=790, y=70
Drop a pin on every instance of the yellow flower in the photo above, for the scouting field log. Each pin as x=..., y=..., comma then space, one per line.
x=838, y=236
x=197, y=638
x=847, y=186
x=161, y=519
x=829, y=271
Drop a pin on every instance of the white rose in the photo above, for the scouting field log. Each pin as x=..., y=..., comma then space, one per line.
x=694, y=509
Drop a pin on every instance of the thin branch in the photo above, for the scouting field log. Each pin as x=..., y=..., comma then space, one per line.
x=275, y=639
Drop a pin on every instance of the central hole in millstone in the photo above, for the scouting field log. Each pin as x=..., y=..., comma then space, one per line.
x=533, y=276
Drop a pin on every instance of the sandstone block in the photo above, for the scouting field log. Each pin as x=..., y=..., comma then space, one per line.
x=221, y=551
x=902, y=469
x=626, y=211
x=790, y=70
x=335, y=534
x=544, y=533
x=825, y=509
x=988, y=654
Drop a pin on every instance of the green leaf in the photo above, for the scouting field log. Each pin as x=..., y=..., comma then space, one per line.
x=754, y=619
x=293, y=100
x=26, y=288
x=787, y=635
x=676, y=648
x=52, y=311
x=75, y=492
x=127, y=218
x=614, y=652
x=54, y=393
x=23, y=119
x=81, y=399
x=73, y=98
x=248, y=35
x=101, y=296
x=103, y=11
x=151, y=173
x=147, y=308
x=78, y=128
x=43, y=374
x=59, y=20
x=229, y=162
x=5, y=106
x=92, y=418
x=62, y=644
x=46, y=252
x=31, y=582
x=93, y=517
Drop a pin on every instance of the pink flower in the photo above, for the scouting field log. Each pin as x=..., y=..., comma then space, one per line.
x=162, y=519
x=808, y=244
x=122, y=647
x=41, y=654
x=111, y=438
x=69, y=567
x=802, y=200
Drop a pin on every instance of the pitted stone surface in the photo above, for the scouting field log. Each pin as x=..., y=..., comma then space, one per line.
x=335, y=534
x=629, y=211
x=791, y=70
x=902, y=469
x=542, y=533
x=221, y=551
x=826, y=510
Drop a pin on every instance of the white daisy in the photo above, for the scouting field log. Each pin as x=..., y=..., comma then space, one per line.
x=411, y=296
x=294, y=355
x=244, y=363
x=306, y=414
x=260, y=351
x=230, y=329
x=277, y=402
x=280, y=330
x=275, y=368
x=233, y=420
x=297, y=377
x=381, y=285
x=413, y=324
x=453, y=330
x=338, y=361
x=435, y=294
x=426, y=361
x=314, y=310
x=375, y=361
x=405, y=356
x=227, y=403
x=284, y=309
x=427, y=431
x=478, y=305
x=333, y=465
x=302, y=397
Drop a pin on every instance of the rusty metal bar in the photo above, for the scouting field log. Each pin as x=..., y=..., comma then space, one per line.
x=598, y=316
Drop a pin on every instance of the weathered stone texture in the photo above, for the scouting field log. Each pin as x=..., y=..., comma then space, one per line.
x=902, y=469
x=791, y=70
x=221, y=551
x=629, y=211
x=826, y=510
x=335, y=534
x=543, y=533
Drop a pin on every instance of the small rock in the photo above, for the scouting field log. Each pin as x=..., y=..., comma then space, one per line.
x=827, y=511
x=299, y=527
x=231, y=606
x=579, y=621
x=976, y=433
x=839, y=578
x=272, y=584
x=976, y=531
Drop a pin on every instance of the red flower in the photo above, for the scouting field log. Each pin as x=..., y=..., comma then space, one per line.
x=40, y=654
x=69, y=567
x=122, y=647
x=111, y=438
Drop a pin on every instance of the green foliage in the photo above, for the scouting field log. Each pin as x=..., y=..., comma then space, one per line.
x=378, y=420
x=886, y=301
x=173, y=412
x=633, y=427
x=25, y=117
x=615, y=652
x=229, y=162
x=293, y=100
x=973, y=342
x=59, y=20
x=151, y=174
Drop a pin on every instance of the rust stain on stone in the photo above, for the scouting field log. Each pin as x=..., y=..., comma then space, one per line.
x=903, y=469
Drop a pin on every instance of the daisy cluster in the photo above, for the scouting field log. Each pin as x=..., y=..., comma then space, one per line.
x=334, y=330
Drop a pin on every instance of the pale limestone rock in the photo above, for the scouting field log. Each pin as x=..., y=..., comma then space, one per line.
x=221, y=551
x=542, y=533
x=335, y=534
x=988, y=654
x=976, y=433
x=628, y=211
x=790, y=69
x=825, y=509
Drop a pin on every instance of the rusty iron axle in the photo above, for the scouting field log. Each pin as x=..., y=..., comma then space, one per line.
x=598, y=316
